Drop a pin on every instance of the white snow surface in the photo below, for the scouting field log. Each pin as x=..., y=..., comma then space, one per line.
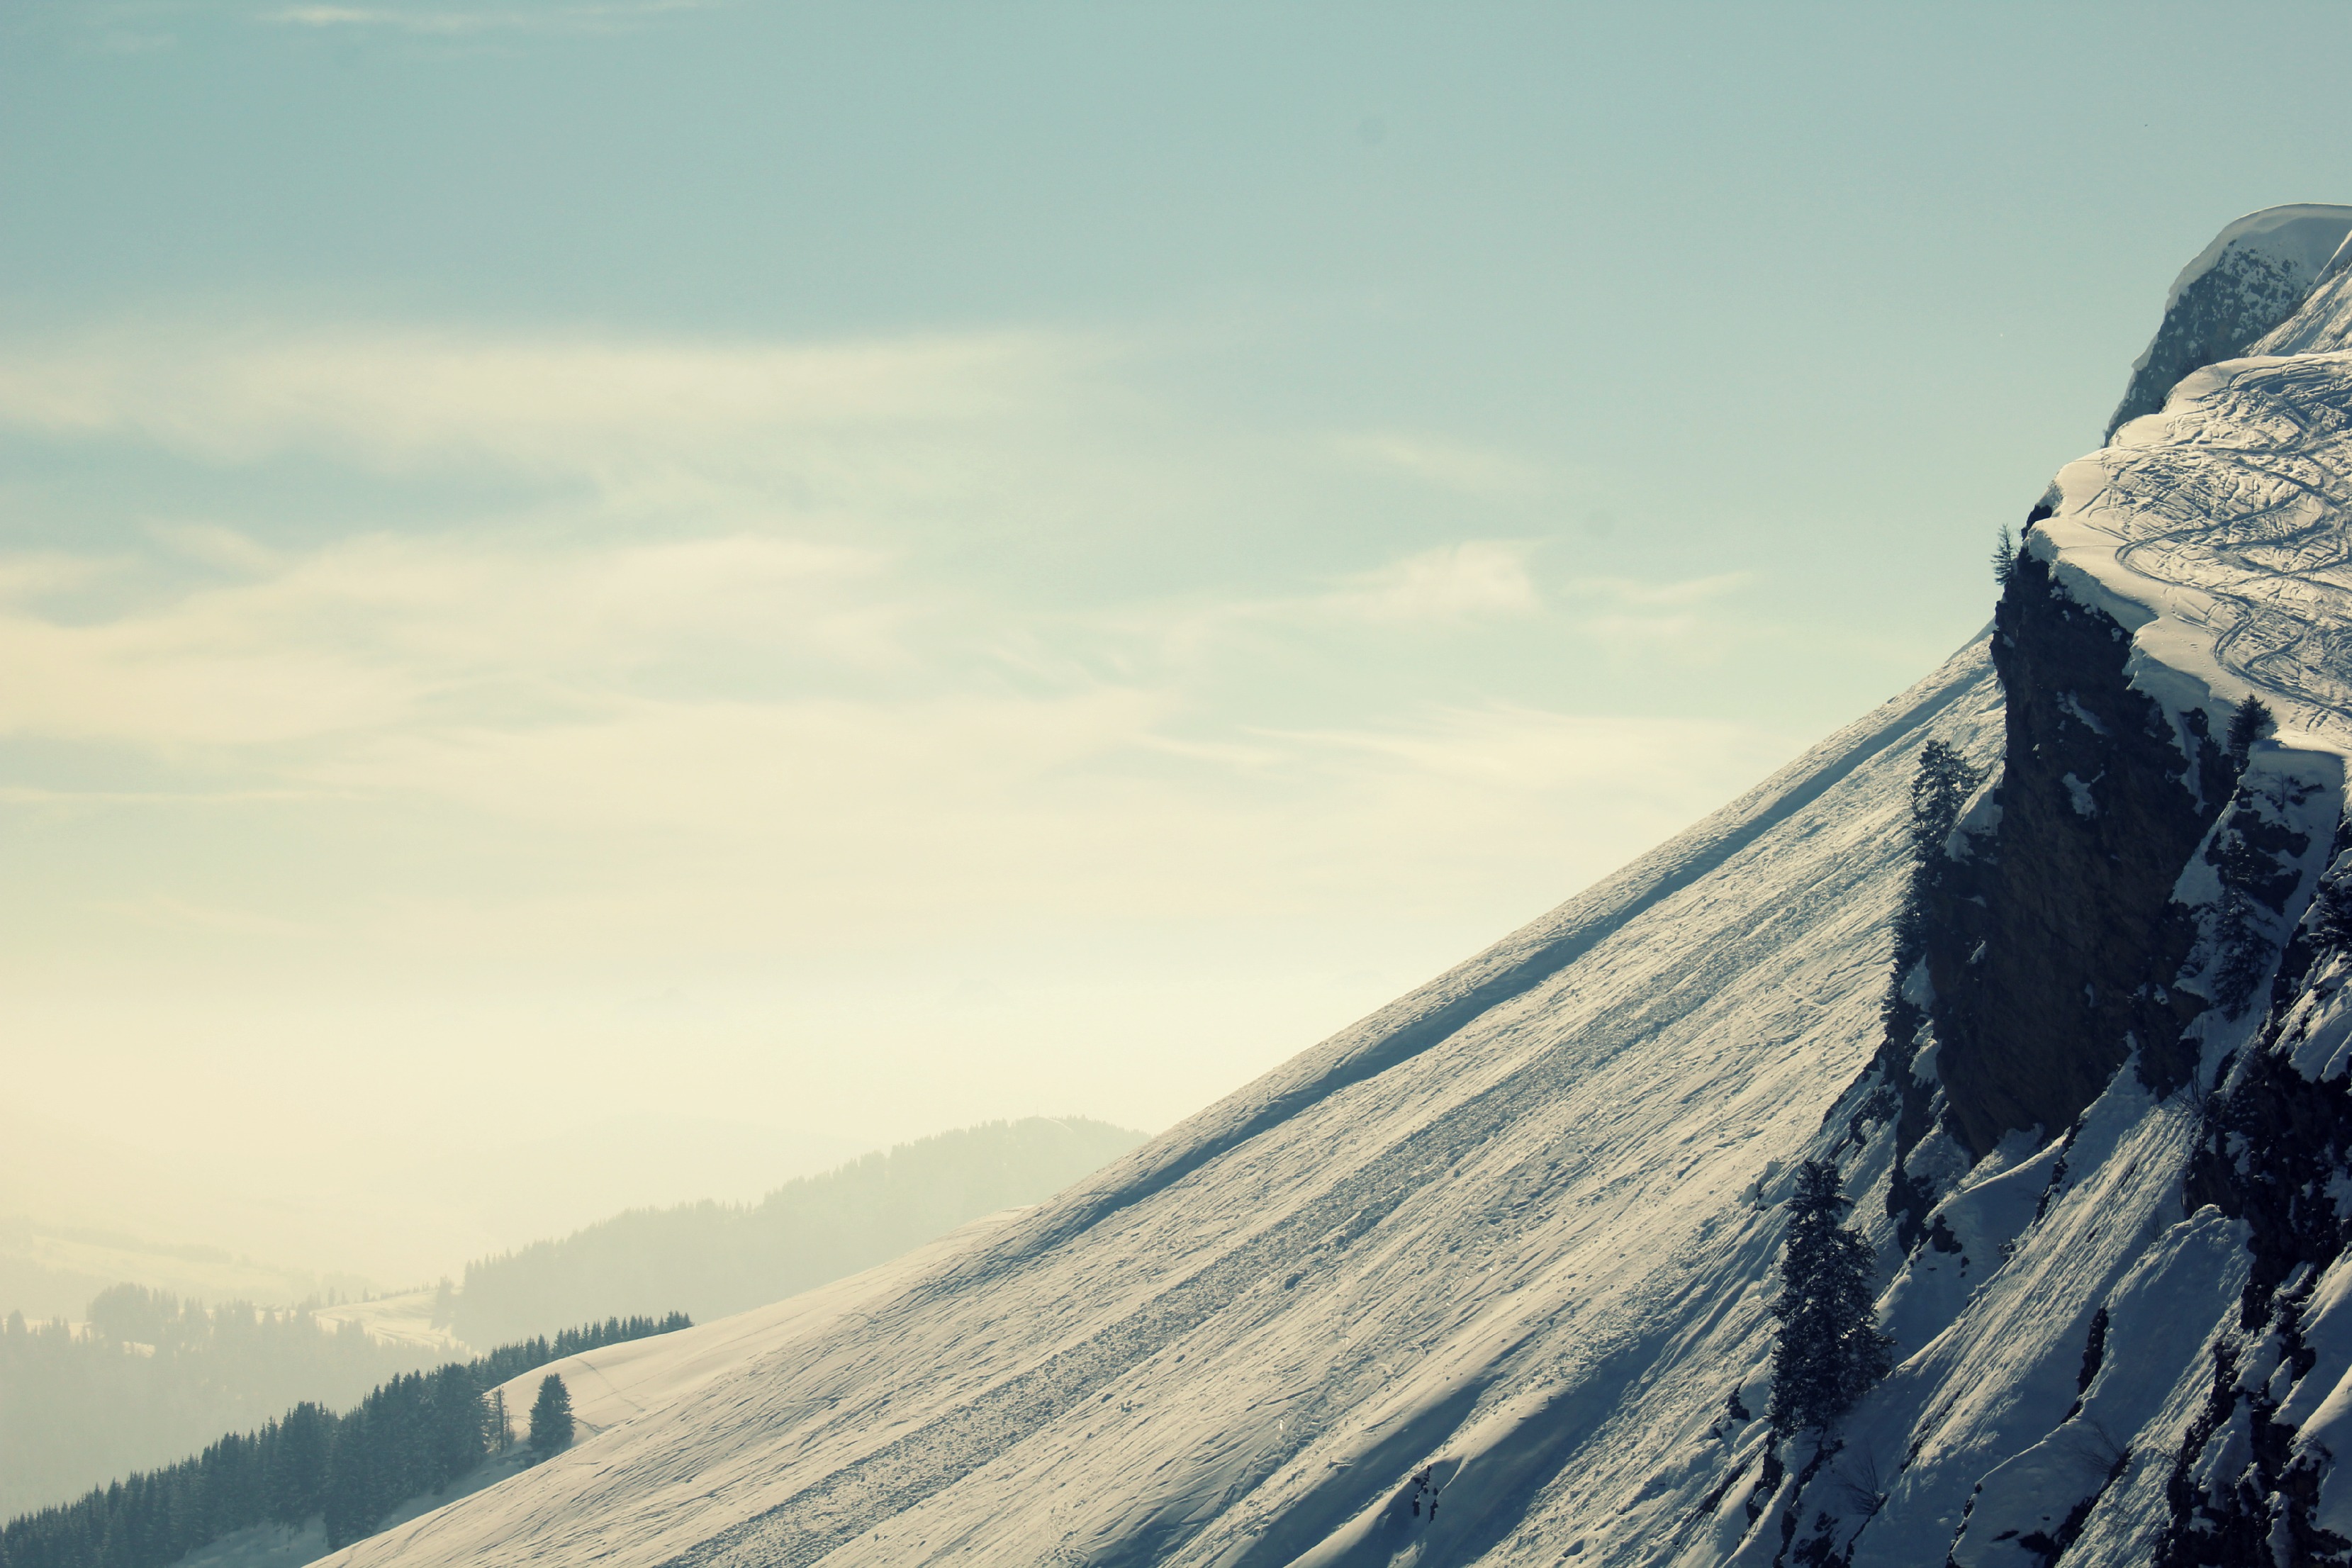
x=2213, y=532
x=1508, y=1244
x=404, y=1319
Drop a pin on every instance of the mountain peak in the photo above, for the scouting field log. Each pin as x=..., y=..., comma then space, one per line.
x=2254, y=275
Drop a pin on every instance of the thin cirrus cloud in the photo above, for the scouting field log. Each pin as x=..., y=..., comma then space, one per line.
x=403, y=400
x=445, y=673
x=1684, y=621
x=1470, y=582
x=743, y=709
x=1477, y=577
x=1461, y=466
x=379, y=632
x=438, y=21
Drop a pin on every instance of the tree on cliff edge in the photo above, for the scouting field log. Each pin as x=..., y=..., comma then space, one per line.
x=2250, y=722
x=1829, y=1351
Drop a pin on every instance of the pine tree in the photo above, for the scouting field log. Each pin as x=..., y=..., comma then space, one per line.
x=349, y=1503
x=1939, y=790
x=498, y=1434
x=2004, y=558
x=550, y=1417
x=1830, y=1350
x=2251, y=721
x=455, y=1401
x=297, y=1464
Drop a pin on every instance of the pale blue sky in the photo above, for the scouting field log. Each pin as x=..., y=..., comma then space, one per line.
x=913, y=562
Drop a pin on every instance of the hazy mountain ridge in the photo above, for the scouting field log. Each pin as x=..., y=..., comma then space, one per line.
x=710, y=1259
x=150, y=1379
x=80, y=1210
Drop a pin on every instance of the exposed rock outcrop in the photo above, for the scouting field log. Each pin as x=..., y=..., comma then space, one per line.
x=2250, y=280
x=2054, y=946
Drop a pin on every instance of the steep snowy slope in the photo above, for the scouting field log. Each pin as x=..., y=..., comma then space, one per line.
x=1457, y=1233
x=1484, y=1278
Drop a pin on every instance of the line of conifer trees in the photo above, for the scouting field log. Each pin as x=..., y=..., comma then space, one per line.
x=414, y=1434
x=147, y=1378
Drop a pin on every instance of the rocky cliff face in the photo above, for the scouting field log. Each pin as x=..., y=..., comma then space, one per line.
x=2055, y=944
x=2047, y=937
x=2111, y=909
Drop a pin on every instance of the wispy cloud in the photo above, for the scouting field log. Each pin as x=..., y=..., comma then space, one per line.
x=1678, y=593
x=1464, y=586
x=1477, y=577
x=379, y=633
x=554, y=15
x=1461, y=466
x=835, y=419
x=710, y=677
x=1684, y=621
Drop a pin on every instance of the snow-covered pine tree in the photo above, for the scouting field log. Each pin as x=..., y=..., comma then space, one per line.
x=1830, y=1350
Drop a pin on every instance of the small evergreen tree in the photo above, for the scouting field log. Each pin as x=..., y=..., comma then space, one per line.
x=1829, y=1351
x=2004, y=558
x=298, y=1463
x=348, y=1502
x=550, y=1417
x=498, y=1434
x=1939, y=790
x=2249, y=723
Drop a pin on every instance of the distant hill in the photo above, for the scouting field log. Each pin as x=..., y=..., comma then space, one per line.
x=247, y=1220
x=51, y=1270
x=149, y=1378
x=711, y=1259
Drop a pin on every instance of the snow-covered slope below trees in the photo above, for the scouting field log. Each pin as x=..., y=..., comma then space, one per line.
x=1485, y=1279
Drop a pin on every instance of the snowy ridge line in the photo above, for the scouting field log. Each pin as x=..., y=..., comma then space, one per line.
x=2210, y=532
x=2254, y=225
x=1510, y=968
x=2257, y=272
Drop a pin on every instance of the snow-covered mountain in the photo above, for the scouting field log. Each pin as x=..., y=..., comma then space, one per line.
x=1485, y=1279
x=2256, y=272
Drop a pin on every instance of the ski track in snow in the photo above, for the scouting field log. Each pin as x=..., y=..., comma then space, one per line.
x=2225, y=512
